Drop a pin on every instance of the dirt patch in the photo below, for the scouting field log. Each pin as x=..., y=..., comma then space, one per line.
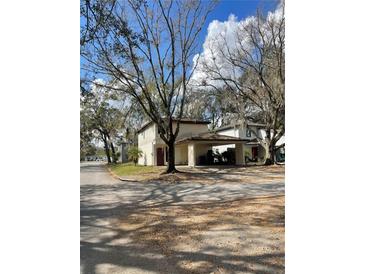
x=214, y=174
x=221, y=175
x=241, y=236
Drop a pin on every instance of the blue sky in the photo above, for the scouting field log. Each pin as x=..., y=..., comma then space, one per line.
x=240, y=8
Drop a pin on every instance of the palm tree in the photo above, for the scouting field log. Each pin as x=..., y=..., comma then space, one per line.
x=134, y=153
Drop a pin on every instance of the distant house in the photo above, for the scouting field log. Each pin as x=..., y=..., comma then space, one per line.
x=251, y=131
x=194, y=144
x=123, y=149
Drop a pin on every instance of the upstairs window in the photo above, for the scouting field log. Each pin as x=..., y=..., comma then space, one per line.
x=248, y=132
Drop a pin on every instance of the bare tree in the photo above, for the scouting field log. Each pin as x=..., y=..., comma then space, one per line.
x=145, y=48
x=253, y=69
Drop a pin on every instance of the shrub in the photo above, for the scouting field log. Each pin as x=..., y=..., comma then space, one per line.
x=134, y=153
x=268, y=162
x=117, y=156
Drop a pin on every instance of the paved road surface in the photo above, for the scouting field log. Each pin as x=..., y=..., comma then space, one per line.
x=104, y=199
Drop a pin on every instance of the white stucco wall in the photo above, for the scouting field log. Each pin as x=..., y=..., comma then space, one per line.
x=188, y=129
x=181, y=155
x=241, y=133
x=229, y=132
x=146, y=140
x=222, y=148
x=201, y=150
x=149, y=140
x=191, y=154
x=185, y=130
x=147, y=158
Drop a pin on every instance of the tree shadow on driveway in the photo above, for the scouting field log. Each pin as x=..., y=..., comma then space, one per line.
x=181, y=228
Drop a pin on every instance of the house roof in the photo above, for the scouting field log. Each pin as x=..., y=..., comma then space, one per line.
x=237, y=125
x=253, y=142
x=210, y=136
x=183, y=121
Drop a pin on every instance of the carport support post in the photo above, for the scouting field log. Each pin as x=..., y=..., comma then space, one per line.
x=240, y=154
x=191, y=154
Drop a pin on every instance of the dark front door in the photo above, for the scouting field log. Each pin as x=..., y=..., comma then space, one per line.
x=254, y=153
x=160, y=156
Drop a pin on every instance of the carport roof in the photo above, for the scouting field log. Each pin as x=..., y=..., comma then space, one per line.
x=210, y=136
x=253, y=142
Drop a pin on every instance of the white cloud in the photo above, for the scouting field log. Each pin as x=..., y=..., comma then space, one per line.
x=221, y=39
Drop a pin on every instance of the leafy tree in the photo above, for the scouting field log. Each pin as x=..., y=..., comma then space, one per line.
x=217, y=107
x=87, y=149
x=134, y=153
x=145, y=49
x=102, y=117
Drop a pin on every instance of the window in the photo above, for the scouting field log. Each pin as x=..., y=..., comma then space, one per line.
x=248, y=132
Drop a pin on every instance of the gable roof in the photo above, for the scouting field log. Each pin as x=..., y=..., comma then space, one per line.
x=237, y=125
x=182, y=121
x=210, y=136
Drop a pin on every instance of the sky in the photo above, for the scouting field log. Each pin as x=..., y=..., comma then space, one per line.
x=220, y=35
x=240, y=8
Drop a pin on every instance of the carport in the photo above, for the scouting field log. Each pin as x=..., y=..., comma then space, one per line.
x=195, y=146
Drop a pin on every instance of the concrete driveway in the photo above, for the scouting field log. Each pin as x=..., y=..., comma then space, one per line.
x=110, y=246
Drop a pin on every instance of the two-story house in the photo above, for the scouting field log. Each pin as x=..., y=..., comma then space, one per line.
x=191, y=146
x=251, y=131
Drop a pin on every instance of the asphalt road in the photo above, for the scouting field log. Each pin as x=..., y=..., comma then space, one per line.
x=104, y=200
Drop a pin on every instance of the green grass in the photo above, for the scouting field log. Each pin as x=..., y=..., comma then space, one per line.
x=131, y=169
x=100, y=152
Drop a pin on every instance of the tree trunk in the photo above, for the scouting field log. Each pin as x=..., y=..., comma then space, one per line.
x=272, y=153
x=106, y=146
x=107, y=152
x=268, y=153
x=113, y=153
x=171, y=161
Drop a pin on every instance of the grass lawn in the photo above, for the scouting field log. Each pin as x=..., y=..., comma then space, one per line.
x=253, y=174
x=128, y=169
